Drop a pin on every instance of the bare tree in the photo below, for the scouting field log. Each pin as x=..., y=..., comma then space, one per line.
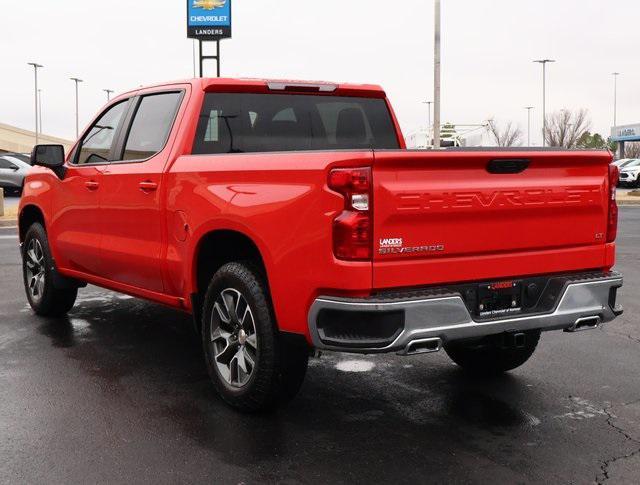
x=632, y=150
x=510, y=136
x=565, y=128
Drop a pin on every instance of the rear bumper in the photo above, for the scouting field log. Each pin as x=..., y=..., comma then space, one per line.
x=395, y=323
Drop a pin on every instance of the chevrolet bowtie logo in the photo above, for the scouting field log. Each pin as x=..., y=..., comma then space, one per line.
x=209, y=4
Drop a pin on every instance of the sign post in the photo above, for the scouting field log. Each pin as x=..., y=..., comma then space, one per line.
x=209, y=21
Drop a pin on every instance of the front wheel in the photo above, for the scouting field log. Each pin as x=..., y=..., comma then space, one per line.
x=252, y=367
x=37, y=269
x=493, y=355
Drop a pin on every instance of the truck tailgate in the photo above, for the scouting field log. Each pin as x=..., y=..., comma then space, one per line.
x=464, y=215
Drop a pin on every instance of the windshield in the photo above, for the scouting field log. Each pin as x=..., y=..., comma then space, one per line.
x=631, y=164
x=238, y=123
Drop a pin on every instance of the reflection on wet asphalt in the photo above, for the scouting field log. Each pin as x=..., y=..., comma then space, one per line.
x=118, y=392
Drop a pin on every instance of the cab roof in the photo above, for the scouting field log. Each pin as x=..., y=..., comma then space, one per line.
x=279, y=86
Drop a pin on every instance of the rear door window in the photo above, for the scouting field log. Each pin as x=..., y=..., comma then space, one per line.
x=151, y=125
x=241, y=123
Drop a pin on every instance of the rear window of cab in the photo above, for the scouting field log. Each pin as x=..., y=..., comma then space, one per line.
x=245, y=123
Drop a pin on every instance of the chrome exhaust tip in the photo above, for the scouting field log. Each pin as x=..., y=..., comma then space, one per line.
x=585, y=323
x=422, y=346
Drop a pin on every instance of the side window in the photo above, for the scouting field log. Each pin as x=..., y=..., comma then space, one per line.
x=151, y=125
x=7, y=165
x=97, y=143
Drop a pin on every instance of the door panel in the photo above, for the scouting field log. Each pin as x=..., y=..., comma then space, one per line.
x=76, y=203
x=131, y=205
x=132, y=224
x=75, y=224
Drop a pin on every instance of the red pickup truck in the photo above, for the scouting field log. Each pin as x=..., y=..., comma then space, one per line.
x=289, y=217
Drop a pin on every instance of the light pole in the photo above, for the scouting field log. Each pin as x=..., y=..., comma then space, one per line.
x=77, y=81
x=436, y=77
x=428, y=103
x=109, y=93
x=35, y=71
x=615, y=98
x=528, y=108
x=544, y=97
x=194, y=58
x=40, y=109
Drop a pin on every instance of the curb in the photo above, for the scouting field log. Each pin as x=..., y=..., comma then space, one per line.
x=8, y=222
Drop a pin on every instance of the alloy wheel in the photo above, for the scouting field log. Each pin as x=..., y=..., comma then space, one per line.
x=233, y=338
x=35, y=268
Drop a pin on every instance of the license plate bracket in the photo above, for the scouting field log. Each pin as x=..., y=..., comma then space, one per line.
x=499, y=299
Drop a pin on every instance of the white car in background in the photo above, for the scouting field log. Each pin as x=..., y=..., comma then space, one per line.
x=630, y=173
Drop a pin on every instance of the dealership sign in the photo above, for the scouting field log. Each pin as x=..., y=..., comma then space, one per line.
x=625, y=133
x=208, y=19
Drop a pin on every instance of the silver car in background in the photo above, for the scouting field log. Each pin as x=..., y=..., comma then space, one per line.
x=13, y=169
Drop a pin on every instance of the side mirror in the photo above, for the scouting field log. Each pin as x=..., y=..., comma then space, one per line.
x=51, y=156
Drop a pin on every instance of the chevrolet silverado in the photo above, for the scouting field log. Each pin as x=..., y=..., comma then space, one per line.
x=289, y=217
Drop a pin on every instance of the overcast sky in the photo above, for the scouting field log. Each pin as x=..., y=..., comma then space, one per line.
x=488, y=46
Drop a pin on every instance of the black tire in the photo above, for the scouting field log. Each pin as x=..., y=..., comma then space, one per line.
x=272, y=368
x=37, y=270
x=12, y=191
x=493, y=355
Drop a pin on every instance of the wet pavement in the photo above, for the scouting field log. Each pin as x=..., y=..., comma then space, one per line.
x=118, y=392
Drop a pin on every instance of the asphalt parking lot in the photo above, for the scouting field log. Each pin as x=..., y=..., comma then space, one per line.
x=118, y=392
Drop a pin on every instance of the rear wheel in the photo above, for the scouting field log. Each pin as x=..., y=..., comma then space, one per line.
x=252, y=367
x=37, y=268
x=493, y=355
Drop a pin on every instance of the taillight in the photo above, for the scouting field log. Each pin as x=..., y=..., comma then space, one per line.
x=352, y=238
x=612, y=223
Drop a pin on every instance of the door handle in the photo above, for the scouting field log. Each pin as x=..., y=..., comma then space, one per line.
x=148, y=186
x=92, y=185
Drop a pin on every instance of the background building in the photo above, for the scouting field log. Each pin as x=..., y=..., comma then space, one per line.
x=18, y=140
x=625, y=134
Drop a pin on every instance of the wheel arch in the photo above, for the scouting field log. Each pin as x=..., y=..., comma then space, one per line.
x=218, y=247
x=29, y=214
x=213, y=250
